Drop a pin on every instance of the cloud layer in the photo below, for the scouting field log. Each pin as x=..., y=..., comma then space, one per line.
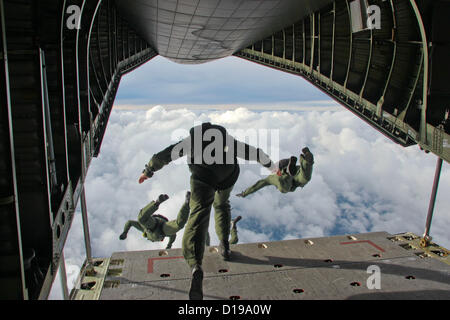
x=362, y=182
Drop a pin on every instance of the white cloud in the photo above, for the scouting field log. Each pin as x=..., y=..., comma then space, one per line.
x=361, y=182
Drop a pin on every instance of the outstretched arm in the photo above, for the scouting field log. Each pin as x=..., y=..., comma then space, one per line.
x=164, y=157
x=128, y=225
x=258, y=185
x=248, y=152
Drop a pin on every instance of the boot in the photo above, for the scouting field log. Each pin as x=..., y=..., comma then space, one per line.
x=162, y=198
x=234, y=221
x=291, y=166
x=308, y=155
x=196, y=291
x=123, y=236
x=224, y=249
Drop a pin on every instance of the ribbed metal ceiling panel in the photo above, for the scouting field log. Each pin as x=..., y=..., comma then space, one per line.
x=198, y=31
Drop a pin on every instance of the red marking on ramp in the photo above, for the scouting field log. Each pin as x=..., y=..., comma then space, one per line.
x=150, y=262
x=366, y=241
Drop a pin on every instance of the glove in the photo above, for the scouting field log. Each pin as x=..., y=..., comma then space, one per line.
x=308, y=155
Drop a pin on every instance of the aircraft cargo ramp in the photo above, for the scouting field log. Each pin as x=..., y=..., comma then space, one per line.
x=374, y=265
x=61, y=65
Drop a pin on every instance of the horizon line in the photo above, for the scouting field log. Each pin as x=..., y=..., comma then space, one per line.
x=314, y=105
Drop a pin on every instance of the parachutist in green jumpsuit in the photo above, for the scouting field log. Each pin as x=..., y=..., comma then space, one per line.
x=289, y=176
x=156, y=227
x=212, y=159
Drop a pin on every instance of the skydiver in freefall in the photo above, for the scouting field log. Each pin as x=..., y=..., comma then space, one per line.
x=212, y=159
x=156, y=227
x=289, y=176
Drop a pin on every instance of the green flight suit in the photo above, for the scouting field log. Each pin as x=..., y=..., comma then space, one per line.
x=285, y=183
x=155, y=227
x=233, y=236
x=211, y=185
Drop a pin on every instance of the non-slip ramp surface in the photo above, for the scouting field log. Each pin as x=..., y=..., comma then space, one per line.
x=339, y=267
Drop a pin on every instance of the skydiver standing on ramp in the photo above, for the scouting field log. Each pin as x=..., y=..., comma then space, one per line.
x=212, y=159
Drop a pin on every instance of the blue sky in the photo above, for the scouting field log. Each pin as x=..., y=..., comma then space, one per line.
x=227, y=81
x=362, y=181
